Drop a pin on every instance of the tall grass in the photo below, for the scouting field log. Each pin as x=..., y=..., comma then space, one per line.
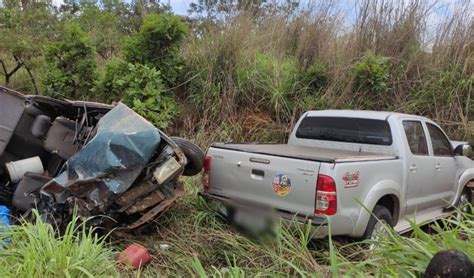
x=37, y=250
x=202, y=244
x=250, y=66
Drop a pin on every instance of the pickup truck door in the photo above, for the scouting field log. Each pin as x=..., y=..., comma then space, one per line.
x=420, y=167
x=444, y=178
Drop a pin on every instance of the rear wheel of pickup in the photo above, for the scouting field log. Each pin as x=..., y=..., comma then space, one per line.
x=464, y=204
x=379, y=221
x=193, y=153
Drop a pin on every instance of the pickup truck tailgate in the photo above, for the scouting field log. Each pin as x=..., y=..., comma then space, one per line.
x=288, y=184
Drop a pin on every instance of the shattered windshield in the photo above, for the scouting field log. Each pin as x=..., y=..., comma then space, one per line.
x=120, y=150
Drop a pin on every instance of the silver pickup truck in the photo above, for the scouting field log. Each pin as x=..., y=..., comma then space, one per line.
x=345, y=169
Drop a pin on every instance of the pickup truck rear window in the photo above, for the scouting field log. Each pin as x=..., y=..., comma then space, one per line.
x=342, y=129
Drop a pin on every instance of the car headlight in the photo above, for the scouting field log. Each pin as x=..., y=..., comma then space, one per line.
x=167, y=170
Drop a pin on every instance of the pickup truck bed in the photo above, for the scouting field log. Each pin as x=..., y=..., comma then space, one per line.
x=304, y=153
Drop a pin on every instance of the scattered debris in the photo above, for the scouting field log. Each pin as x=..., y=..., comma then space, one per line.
x=164, y=246
x=4, y=216
x=4, y=223
x=135, y=256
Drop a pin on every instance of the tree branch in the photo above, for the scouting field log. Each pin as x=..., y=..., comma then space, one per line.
x=4, y=73
x=32, y=78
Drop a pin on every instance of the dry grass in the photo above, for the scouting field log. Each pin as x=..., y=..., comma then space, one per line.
x=430, y=67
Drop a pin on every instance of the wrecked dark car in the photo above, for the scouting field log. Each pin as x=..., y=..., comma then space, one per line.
x=98, y=160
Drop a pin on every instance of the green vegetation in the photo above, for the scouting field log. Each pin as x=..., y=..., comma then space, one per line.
x=240, y=71
x=141, y=88
x=156, y=45
x=70, y=65
x=35, y=249
x=244, y=71
x=202, y=244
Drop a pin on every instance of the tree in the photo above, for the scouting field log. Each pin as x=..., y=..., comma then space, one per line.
x=219, y=9
x=103, y=29
x=71, y=65
x=141, y=88
x=24, y=30
x=157, y=44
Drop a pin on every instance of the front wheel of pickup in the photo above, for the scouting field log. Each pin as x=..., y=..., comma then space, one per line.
x=193, y=153
x=379, y=221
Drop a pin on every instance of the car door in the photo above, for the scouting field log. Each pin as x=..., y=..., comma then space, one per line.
x=445, y=169
x=419, y=165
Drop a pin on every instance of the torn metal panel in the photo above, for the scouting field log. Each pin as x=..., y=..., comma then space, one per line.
x=162, y=206
x=150, y=200
x=120, y=150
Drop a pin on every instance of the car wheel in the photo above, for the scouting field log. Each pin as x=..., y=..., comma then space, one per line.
x=379, y=221
x=464, y=204
x=193, y=153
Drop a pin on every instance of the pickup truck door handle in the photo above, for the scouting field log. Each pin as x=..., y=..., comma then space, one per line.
x=258, y=174
x=438, y=167
x=413, y=168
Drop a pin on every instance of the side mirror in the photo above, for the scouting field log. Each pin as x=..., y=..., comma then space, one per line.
x=464, y=150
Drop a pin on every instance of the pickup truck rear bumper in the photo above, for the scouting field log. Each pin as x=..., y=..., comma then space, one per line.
x=320, y=228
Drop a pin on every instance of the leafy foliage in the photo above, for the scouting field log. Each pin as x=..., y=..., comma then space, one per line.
x=24, y=33
x=140, y=87
x=314, y=79
x=156, y=45
x=104, y=29
x=371, y=74
x=71, y=65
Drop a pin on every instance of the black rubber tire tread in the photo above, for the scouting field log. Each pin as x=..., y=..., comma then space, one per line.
x=380, y=212
x=193, y=153
x=467, y=191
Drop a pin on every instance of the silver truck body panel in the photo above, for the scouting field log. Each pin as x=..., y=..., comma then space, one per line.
x=305, y=153
x=252, y=181
x=422, y=186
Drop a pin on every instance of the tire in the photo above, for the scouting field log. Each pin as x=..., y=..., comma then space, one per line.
x=464, y=202
x=380, y=215
x=193, y=153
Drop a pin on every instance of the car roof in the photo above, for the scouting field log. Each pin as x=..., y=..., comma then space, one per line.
x=365, y=114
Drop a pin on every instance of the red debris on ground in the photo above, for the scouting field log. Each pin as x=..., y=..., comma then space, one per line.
x=135, y=255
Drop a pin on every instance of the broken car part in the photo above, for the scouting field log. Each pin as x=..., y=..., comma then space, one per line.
x=99, y=160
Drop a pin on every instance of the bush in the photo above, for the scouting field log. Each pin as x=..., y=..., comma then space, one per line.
x=313, y=79
x=110, y=85
x=157, y=44
x=70, y=64
x=371, y=74
x=141, y=88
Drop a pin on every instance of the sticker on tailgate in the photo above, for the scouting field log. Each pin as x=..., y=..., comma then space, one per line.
x=281, y=184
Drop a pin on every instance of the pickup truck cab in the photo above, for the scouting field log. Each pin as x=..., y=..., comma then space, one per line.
x=347, y=172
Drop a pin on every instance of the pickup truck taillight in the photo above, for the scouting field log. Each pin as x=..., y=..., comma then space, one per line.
x=326, y=198
x=206, y=177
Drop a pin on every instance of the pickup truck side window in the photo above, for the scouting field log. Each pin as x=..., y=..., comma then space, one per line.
x=416, y=137
x=441, y=145
x=344, y=129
